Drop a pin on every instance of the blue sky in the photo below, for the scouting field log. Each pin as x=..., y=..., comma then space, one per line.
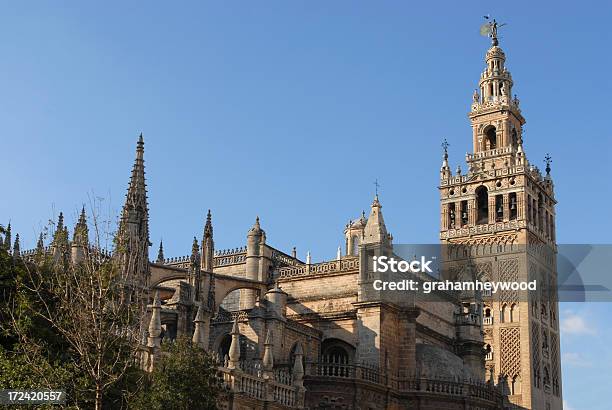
x=290, y=111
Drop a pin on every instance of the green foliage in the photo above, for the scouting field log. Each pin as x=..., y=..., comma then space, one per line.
x=48, y=339
x=183, y=378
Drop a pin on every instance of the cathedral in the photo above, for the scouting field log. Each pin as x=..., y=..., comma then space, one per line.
x=289, y=333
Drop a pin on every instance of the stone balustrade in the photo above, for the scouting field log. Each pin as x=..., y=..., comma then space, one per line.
x=417, y=384
x=346, y=264
x=256, y=386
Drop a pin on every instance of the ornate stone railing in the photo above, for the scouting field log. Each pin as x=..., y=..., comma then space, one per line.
x=178, y=261
x=224, y=316
x=284, y=395
x=492, y=173
x=260, y=387
x=230, y=259
x=252, y=386
x=231, y=251
x=484, y=228
x=495, y=103
x=489, y=153
x=453, y=387
x=467, y=319
x=343, y=265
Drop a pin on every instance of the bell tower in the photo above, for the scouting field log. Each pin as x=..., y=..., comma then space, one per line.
x=498, y=220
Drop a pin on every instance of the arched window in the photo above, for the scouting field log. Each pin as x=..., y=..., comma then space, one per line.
x=336, y=358
x=488, y=317
x=491, y=138
x=482, y=205
x=488, y=352
x=502, y=314
x=514, y=313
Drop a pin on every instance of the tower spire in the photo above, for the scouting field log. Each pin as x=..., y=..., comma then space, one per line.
x=81, y=232
x=80, y=239
x=160, y=253
x=208, y=245
x=195, y=274
x=495, y=115
x=133, y=235
x=375, y=230
x=445, y=169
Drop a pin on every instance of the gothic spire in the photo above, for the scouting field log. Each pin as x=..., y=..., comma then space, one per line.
x=195, y=248
x=60, y=238
x=375, y=230
x=195, y=269
x=136, y=208
x=60, y=223
x=208, y=229
x=160, y=253
x=208, y=245
x=133, y=235
x=81, y=232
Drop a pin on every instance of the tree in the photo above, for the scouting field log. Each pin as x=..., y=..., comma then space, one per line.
x=184, y=378
x=80, y=313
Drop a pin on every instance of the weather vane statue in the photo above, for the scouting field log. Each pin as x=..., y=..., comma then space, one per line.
x=489, y=29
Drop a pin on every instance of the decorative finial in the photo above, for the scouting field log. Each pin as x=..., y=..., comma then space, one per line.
x=160, y=253
x=548, y=160
x=445, y=146
x=376, y=185
x=489, y=29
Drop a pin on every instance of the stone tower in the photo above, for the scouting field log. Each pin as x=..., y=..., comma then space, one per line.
x=132, y=243
x=498, y=224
